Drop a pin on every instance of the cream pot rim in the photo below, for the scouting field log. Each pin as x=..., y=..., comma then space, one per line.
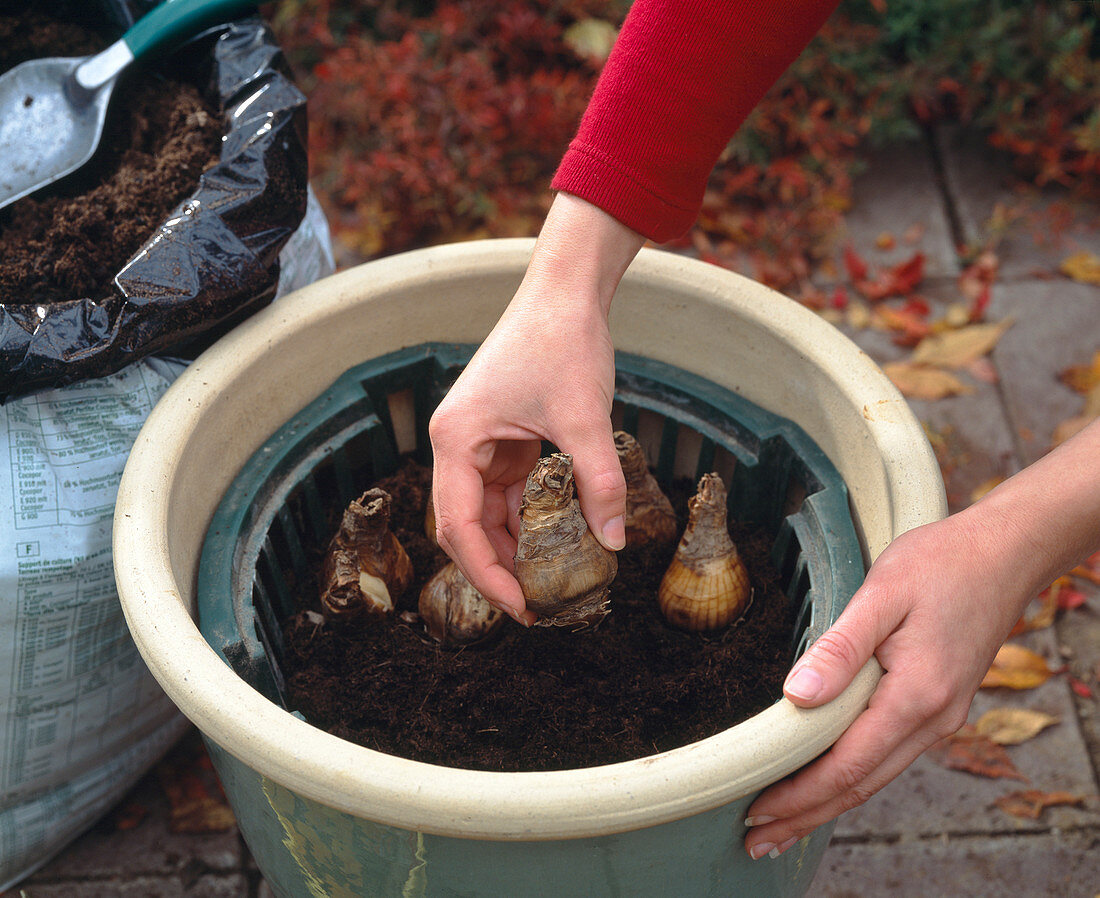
x=240, y=390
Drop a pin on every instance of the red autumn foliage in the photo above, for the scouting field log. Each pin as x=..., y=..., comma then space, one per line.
x=436, y=120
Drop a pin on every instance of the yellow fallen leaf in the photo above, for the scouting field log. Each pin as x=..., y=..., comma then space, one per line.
x=1011, y=726
x=1082, y=378
x=1044, y=617
x=1016, y=667
x=956, y=315
x=923, y=381
x=958, y=348
x=1077, y=423
x=1083, y=266
x=859, y=315
x=591, y=39
x=984, y=487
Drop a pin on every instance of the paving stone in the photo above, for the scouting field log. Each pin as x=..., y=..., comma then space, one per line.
x=1057, y=325
x=977, y=440
x=928, y=799
x=148, y=848
x=897, y=191
x=1050, y=226
x=1055, y=864
x=1078, y=631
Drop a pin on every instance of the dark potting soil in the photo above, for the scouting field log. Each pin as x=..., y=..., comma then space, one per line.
x=539, y=698
x=69, y=242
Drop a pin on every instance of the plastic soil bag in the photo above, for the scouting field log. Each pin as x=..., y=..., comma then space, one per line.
x=214, y=260
x=81, y=719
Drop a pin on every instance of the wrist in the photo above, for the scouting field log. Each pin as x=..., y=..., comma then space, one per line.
x=581, y=254
x=1045, y=519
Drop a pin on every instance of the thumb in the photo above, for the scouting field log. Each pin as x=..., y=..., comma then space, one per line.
x=601, y=487
x=831, y=663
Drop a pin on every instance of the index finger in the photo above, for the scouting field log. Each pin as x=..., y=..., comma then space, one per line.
x=462, y=535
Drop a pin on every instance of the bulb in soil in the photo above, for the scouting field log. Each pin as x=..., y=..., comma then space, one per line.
x=706, y=586
x=365, y=569
x=563, y=570
x=429, y=520
x=650, y=519
x=454, y=612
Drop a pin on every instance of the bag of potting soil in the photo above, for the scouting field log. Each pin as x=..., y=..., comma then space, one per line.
x=81, y=719
x=224, y=98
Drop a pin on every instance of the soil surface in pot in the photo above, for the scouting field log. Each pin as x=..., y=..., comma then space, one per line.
x=541, y=698
x=69, y=241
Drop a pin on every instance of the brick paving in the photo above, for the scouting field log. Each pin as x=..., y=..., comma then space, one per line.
x=932, y=832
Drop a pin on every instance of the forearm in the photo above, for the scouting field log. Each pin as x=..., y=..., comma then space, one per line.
x=1044, y=520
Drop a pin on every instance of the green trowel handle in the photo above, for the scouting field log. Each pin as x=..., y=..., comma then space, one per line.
x=176, y=20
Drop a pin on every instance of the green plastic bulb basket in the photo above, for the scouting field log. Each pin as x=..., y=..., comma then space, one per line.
x=278, y=512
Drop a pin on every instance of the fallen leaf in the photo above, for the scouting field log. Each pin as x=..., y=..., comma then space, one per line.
x=980, y=303
x=913, y=233
x=983, y=370
x=1082, y=378
x=1079, y=686
x=1064, y=594
x=924, y=382
x=955, y=316
x=958, y=348
x=900, y=280
x=196, y=801
x=1016, y=667
x=984, y=487
x=1044, y=617
x=129, y=816
x=908, y=324
x=858, y=316
x=1090, y=570
x=1077, y=423
x=971, y=752
x=591, y=39
x=1030, y=803
x=1083, y=266
x=978, y=276
x=885, y=241
x=854, y=265
x=1011, y=726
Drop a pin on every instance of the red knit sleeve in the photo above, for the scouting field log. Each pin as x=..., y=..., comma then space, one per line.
x=682, y=77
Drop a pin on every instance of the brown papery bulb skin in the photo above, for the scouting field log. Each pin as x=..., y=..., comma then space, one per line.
x=563, y=570
x=429, y=520
x=650, y=519
x=706, y=586
x=454, y=612
x=366, y=568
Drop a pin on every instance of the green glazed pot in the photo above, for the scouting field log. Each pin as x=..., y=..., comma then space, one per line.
x=324, y=817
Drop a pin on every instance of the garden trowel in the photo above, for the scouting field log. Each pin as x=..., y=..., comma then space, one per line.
x=52, y=110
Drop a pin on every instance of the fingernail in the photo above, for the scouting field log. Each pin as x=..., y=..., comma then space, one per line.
x=759, y=820
x=758, y=851
x=516, y=616
x=614, y=534
x=804, y=683
x=779, y=849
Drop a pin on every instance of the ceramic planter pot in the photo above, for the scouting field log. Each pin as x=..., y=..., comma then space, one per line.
x=326, y=817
